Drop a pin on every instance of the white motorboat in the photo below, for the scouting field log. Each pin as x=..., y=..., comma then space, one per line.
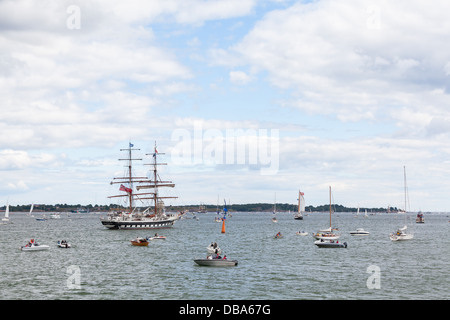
x=401, y=235
x=301, y=233
x=330, y=244
x=359, y=232
x=216, y=262
x=34, y=246
x=64, y=244
x=156, y=237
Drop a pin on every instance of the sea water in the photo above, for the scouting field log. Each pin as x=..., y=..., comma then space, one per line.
x=102, y=263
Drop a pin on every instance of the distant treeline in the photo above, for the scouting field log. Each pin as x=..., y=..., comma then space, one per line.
x=250, y=207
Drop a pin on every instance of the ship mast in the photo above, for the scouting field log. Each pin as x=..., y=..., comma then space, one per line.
x=129, y=179
x=156, y=182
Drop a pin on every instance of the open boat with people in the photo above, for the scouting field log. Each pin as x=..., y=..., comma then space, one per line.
x=139, y=242
x=420, y=218
x=216, y=262
x=278, y=236
x=64, y=244
x=330, y=244
x=32, y=245
x=359, y=232
x=301, y=233
x=401, y=235
x=156, y=237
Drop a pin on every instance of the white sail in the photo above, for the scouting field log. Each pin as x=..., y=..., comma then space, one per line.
x=6, y=218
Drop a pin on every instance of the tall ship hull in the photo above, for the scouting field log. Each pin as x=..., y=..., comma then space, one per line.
x=124, y=223
x=154, y=216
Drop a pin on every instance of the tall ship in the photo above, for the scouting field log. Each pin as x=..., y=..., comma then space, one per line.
x=154, y=216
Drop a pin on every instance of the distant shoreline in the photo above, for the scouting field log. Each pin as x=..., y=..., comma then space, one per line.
x=251, y=207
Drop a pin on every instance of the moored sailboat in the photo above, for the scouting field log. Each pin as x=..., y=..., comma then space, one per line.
x=301, y=206
x=153, y=217
x=401, y=234
x=327, y=234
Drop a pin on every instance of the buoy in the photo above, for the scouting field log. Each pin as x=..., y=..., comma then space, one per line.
x=223, y=226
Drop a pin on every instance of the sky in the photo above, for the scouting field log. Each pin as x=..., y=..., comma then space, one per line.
x=249, y=100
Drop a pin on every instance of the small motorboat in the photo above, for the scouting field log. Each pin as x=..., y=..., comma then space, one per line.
x=420, y=218
x=278, y=236
x=64, y=244
x=139, y=242
x=359, y=232
x=156, y=237
x=216, y=262
x=301, y=233
x=32, y=245
x=401, y=235
x=330, y=244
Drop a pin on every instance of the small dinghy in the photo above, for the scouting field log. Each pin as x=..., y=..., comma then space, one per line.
x=216, y=262
x=330, y=244
x=64, y=244
x=278, y=236
x=139, y=242
x=34, y=246
x=156, y=237
x=359, y=232
x=301, y=233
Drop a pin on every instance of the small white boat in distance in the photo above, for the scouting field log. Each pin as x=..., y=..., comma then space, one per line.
x=34, y=246
x=210, y=262
x=330, y=244
x=359, y=232
x=63, y=244
x=401, y=235
x=301, y=233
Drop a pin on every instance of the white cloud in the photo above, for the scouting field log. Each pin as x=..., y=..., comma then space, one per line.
x=239, y=77
x=353, y=59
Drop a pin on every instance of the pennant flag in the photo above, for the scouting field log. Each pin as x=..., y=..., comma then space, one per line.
x=131, y=145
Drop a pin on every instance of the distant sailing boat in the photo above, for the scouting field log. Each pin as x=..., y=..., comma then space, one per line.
x=6, y=218
x=301, y=206
x=327, y=234
x=400, y=234
x=274, y=219
x=153, y=217
x=31, y=210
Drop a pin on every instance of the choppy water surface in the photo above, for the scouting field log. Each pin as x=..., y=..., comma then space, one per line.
x=274, y=269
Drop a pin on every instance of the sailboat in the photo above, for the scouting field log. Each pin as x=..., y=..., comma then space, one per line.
x=274, y=218
x=153, y=217
x=301, y=206
x=326, y=234
x=401, y=234
x=6, y=218
x=31, y=211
